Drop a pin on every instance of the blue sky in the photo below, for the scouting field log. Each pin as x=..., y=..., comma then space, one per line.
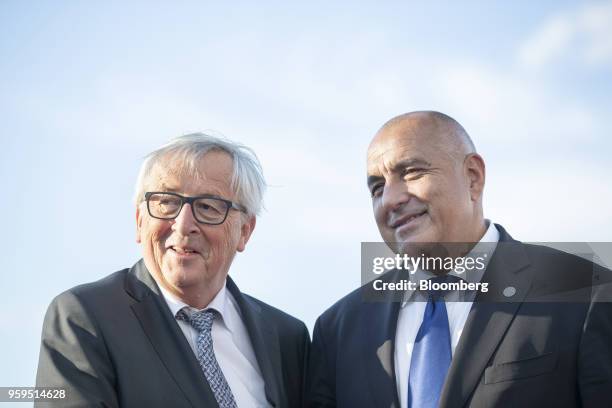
x=88, y=89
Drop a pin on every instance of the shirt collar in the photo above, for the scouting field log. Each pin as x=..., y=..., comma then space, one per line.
x=483, y=249
x=219, y=303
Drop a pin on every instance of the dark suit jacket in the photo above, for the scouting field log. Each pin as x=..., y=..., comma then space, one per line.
x=115, y=343
x=551, y=346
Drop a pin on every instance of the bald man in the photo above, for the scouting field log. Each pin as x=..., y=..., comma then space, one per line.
x=523, y=328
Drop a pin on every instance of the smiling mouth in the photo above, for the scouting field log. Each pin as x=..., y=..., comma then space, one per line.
x=183, y=251
x=405, y=221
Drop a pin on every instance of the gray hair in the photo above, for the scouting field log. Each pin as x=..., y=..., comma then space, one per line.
x=247, y=182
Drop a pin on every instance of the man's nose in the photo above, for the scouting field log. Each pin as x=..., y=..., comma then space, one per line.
x=395, y=194
x=185, y=223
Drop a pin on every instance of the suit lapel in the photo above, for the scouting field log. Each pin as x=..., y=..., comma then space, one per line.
x=379, y=324
x=265, y=344
x=488, y=320
x=166, y=337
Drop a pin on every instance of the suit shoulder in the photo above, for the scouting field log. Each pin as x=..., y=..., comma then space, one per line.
x=346, y=307
x=96, y=292
x=546, y=252
x=560, y=273
x=548, y=258
x=75, y=311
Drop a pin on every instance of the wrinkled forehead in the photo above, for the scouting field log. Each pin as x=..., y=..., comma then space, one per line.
x=389, y=148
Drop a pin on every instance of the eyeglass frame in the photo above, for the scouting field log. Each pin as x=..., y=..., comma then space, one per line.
x=190, y=200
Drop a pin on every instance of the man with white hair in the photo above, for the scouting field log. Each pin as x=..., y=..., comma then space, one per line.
x=174, y=330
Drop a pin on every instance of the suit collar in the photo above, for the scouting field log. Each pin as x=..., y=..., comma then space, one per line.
x=265, y=343
x=379, y=325
x=170, y=344
x=488, y=320
x=165, y=336
x=139, y=283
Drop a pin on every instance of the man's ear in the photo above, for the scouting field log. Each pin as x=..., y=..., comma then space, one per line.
x=245, y=232
x=138, y=224
x=476, y=173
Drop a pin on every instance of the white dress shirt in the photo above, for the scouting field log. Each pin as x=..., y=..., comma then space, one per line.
x=232, y=346
x=413, y=308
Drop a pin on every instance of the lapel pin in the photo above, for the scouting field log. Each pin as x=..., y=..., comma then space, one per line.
x=509, y=291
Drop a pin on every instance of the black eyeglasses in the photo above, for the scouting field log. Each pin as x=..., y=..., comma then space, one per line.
x=206, y=209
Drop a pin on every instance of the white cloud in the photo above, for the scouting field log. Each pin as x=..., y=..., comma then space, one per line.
x=596, y=22
x=553, y=198
x=507, y=107
x=550, y=41
x=584, y=34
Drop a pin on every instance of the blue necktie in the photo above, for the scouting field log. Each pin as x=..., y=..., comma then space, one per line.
x=202, y=321
x=431, y=355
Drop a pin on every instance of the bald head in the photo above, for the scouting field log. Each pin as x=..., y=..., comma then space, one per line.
x=426, y=181
x=432, y=127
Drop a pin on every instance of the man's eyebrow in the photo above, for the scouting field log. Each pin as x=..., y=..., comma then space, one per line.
x=211, y=196
x=410, y=162
x=166, y=187
x=400, y=165
x=374, y=179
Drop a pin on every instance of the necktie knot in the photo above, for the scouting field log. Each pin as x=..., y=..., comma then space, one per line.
x=202, y=320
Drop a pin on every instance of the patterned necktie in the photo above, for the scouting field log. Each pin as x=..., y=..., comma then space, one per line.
x=202, y=321
x=431, y=355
